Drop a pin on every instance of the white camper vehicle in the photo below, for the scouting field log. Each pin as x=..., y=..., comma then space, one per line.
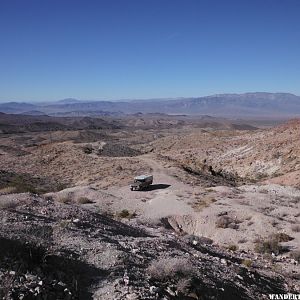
x=141, y=182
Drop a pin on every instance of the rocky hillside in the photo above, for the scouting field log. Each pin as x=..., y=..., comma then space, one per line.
x=61, y=251
x=10, y=123
x=271, y=154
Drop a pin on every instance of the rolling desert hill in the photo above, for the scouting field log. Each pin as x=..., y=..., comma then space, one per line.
x=271, y=154
x=36, y=121
x=220, y=221
x=11, y=123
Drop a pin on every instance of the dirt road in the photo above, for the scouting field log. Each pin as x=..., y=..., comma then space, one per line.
x=167, y=196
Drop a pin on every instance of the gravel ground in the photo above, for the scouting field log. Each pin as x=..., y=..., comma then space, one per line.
x=67, y=252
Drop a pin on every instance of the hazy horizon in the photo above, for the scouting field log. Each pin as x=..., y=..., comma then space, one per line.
x=140, y=99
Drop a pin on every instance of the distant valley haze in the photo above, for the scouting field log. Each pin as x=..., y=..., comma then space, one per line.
x=247, y=105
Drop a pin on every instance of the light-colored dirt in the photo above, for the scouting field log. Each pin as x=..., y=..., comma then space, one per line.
x=167, y=196
x=259, y=210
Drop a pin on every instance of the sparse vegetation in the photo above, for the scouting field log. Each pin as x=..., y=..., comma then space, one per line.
x=64, y=223
x=272, y=244
x=84, y=200
x=126, y=214
x=167, y=268
x=274, y=223
x=295, y=227
x=295, y=255
x=232, y=247
x=282, y=237
x=247, y=263
x=242, y=241
x=9, y=204
x=21, y=185
x=261, y=176
x=183, y=286
x=202, y=203
x=11, y=182
x=87, y=149
x=227, y=222
x=8, y=190
x=66, y=199
x=268, y=246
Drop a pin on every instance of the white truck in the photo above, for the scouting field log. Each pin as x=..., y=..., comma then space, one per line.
x=141, y=182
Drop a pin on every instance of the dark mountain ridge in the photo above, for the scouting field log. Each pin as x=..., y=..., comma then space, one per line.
x=11, y=123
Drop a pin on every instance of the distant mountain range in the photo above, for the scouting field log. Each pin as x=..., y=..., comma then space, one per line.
x=225, y=105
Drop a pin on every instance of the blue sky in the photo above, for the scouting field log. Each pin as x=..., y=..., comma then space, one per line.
x=109, y=49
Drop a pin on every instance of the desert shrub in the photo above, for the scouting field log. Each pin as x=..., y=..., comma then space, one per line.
x=272, y=243
x=126, y=214
x=247, y=263
x=64, y=199
x=295, y=228
x=296, y=200
x=60, y=186
x=276, y=155
x=268, y=246
x=203, y=202
x=263, y=191
x=233, y=247
x=295, y=255
x=227, y=222
x=22, y=186
x=205, y=240
x=8, y=204
x=282, y=237
x=184, y=285
x=6, y=285
x=242, y=240
x=274, y=223
x=87, y=149
x=260, y=176
x=64, y=224
x=84, y=200
x=170, y=268
x=119, y=168
x=195, y=240
x=8, y=190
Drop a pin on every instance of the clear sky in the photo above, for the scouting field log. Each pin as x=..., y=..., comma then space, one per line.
x=113, y=49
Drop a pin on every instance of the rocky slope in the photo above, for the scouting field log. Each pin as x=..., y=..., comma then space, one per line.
x=271, y=154
x=66, y=252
